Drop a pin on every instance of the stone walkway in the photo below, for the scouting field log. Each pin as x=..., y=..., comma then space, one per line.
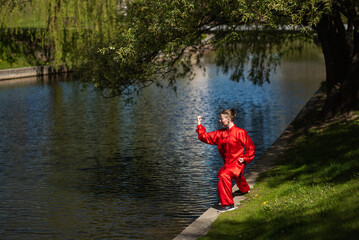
x=201, y=226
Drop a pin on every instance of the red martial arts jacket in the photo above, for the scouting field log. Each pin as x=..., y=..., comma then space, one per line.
x=233, y=143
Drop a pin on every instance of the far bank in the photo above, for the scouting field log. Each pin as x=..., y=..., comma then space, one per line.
x=14, y=73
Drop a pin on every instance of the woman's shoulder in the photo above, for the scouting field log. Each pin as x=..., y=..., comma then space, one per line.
x=239, y=130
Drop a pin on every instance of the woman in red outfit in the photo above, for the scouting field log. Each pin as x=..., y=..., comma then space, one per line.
x=236, y=148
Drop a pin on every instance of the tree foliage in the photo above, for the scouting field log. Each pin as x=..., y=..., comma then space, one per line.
x=162, y=40
x=161, y=36
x=67, y=29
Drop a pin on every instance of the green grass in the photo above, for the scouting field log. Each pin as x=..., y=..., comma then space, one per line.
x=312, y=193
x=20, y=62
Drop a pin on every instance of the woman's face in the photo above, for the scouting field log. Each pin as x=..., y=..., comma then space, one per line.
x=225, y=120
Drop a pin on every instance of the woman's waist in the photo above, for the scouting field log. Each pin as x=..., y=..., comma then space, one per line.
x=234, y=162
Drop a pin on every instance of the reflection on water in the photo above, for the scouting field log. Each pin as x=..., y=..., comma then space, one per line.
x=76, y=166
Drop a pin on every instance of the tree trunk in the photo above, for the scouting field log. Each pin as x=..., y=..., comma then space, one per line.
x=340, y=49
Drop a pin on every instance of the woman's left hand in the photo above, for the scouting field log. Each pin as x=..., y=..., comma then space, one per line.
x=241, y=160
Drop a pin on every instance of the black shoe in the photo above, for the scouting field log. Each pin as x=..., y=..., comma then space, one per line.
x=225, y=208
x=239, y=193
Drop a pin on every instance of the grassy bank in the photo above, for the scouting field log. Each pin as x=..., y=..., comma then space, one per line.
x=19, y=62
x=311, y=193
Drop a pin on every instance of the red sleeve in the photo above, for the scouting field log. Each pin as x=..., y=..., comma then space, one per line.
x=248, y=147
x=210, y=138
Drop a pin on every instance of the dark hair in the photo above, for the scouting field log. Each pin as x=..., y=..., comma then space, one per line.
x=230, y=112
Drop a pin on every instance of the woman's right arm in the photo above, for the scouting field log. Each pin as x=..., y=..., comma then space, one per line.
x=204, y=136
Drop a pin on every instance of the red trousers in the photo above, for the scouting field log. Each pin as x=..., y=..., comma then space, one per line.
x=224, y=188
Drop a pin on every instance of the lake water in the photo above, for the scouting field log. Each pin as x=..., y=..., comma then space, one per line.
x=74, y=165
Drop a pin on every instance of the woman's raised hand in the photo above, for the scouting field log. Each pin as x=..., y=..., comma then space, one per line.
x=199, y=120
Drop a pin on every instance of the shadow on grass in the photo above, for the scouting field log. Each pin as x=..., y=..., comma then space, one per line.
x=321, y=156
x=318, y=220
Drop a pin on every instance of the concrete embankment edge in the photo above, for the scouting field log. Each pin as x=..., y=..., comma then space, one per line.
x=201, y=226
x=13, y=73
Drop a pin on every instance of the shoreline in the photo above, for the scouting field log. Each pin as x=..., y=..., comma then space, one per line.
x=15, y=73
x=202, y=224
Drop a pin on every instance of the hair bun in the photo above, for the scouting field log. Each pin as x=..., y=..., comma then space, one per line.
x=233, y=112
